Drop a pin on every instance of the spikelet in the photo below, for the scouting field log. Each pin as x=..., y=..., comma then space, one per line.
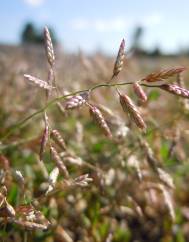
x=49, y=47
x=76, y=101
x=19, y=177
x=25, y=211
x=83, y=180
x=58, y=139
x=151, y=159
x=119, y=60
x=59, y=162
x=99, y=119
x=6, y=210
x=165, y=178
x=29, y=225
x=3, y=191
x=129, y=107
x=176, y=90
x=38, y=82
x=2, y=200
x=28, y=213
x=163, y=74
x=109, y=237
x=74, y=160
x=62, y=234
x=44, y=139
x=134, y=162
x=136, y=206
x=10, y=210
x=168, y=201
x=184, y=102
x=139, y=92
x=53, y=176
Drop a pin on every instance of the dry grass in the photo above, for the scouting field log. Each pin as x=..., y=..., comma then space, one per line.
x=62, y=178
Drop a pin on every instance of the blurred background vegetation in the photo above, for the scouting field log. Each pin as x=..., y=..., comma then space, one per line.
x=117, y=206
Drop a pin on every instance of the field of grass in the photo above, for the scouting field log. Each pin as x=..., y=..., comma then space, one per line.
x=64, y=176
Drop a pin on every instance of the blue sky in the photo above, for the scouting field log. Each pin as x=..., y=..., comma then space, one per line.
x=100, y=24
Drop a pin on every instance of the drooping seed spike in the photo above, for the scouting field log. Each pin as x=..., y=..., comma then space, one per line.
x=38, y=82
x=119, y=60
x=165, y=178
x=100, y=121
x=19, y=177
x=83, y=180
x=176, y=90
x=139, y=92
x=57, y=137
x=53, y=176
x=59, y=162
x=29, y=225
x=168, y=201
x=76, y=101
x=184, y=102
x=44, y=139
x=6, y=209
x=129, y=107
x=49, y=47
x=163, y=74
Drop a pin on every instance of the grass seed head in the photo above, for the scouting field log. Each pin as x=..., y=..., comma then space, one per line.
x=59, y=162
x=38, y=82
x=139, y=92
x=129, y=107
x=165, y=178
x=168, y=201
x=100, y=121
x=76, y=101
x=29, y=225
x=19, y=177
x=83, y=180
x=176, y=90
x=119, y=60
x=163, y=74
x=53, y=176
x=57, y=137
x=49, y=47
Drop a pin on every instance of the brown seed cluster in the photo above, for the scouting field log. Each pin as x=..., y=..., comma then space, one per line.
x=119, y=60
x=139, y=92
x=130, y=108
x=163, y=74
x=57, y=137
x=100, y=121
x=59, y=162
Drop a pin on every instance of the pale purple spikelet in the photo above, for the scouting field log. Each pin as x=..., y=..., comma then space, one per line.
x=76, y=101
x=139, y=92
x=176, y=90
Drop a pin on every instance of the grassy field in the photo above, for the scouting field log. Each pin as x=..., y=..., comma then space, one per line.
x=132, y=186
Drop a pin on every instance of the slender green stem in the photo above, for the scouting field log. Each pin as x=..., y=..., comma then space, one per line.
x=21, y=123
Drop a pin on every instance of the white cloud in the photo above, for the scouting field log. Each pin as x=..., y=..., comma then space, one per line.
x=117, y=24
x=100, y=25
x=34, y=2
